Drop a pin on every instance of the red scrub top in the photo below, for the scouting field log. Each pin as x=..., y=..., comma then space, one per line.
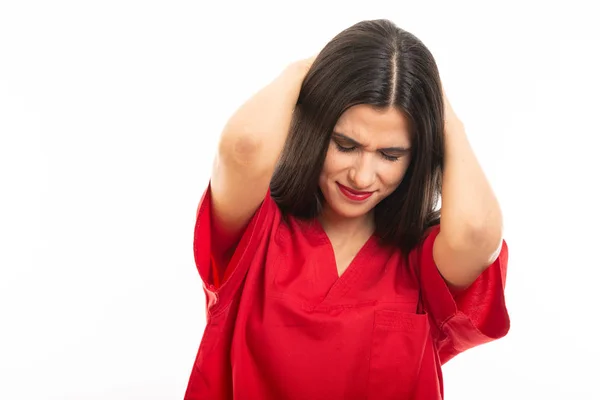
x=282, y=325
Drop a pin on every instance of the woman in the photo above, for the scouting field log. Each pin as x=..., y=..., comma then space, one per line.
x=327, y=270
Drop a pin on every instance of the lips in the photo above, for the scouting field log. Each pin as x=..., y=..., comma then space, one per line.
x=354, y=195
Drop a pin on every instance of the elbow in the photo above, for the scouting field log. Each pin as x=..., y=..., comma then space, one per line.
x=238, y=149
x=483, y=244
x=486, y=244
x=485, y=236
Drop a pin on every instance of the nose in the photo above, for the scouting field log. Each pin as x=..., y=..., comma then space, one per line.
x=362, y=173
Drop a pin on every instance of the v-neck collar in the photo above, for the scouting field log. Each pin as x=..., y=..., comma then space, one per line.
x=357, y=267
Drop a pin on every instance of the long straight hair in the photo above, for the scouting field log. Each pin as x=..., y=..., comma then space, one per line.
x=375, y=63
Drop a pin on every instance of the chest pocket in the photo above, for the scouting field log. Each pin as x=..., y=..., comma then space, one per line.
x=397, y=347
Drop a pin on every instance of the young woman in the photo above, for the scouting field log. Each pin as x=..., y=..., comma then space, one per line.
x=328, y=270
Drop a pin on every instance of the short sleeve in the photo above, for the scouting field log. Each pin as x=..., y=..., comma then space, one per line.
x=234, y=272
x=467, y=318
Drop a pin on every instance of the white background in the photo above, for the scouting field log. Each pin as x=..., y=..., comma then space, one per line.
x=109, y=116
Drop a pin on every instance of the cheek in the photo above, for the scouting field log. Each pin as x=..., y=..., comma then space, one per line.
x=392, y=177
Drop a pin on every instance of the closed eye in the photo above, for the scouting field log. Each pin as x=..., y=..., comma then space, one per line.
x=344, y=149
x=348, y=149
x=388, y=157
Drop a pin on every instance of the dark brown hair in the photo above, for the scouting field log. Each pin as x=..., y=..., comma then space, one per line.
x=376, y=63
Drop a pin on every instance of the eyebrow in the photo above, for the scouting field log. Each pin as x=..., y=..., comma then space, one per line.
x=341, y=136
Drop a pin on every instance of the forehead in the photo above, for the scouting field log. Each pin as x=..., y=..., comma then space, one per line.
x=370, y=125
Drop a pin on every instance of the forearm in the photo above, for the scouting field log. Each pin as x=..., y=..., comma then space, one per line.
x=471, y=215
x=259, y=128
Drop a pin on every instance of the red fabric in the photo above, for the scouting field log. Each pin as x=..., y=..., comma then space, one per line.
x=283, y=325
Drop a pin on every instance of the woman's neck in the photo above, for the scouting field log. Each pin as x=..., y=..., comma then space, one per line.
x=342, y=229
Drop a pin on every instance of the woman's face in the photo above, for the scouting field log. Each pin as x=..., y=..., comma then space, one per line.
x=366, y=160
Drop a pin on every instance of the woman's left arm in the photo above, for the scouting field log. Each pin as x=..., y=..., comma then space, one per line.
x=470, y=236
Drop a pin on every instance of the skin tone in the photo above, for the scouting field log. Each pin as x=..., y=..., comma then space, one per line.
x=369, y=152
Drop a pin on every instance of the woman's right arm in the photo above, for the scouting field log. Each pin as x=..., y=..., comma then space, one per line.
x=249, y=147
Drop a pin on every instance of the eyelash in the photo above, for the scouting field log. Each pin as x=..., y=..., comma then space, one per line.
x=350, y=149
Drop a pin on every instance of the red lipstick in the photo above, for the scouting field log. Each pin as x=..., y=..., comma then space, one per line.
x=353, y=194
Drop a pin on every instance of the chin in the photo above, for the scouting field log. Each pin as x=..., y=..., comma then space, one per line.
x=350, y=211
